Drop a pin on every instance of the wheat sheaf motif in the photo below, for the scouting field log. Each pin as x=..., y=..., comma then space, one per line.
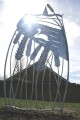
x=53, y=38
x=42, y=39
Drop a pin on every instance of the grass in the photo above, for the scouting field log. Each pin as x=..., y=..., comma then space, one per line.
x=74, y=107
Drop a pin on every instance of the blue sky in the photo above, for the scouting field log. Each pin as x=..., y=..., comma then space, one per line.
x=12, y=10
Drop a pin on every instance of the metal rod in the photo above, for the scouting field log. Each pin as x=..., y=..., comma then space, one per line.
x=5, y=98
x=36, y=90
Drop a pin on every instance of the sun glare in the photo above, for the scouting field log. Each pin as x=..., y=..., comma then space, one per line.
x=29, y=19
x=15, y=9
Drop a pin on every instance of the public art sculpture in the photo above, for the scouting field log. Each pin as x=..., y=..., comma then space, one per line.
x=42, y=40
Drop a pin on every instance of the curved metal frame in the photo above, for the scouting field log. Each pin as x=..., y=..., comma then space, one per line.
x=42, y=62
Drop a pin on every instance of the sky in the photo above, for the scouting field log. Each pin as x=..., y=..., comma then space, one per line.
x=12, y=10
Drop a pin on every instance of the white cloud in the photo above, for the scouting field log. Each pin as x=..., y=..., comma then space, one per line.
x=78, y=75
x=74, y=63
x=75, y=76
x=72, y=31
x=77, y=81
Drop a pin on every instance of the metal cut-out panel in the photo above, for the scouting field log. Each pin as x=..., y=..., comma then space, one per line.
x=37, y=58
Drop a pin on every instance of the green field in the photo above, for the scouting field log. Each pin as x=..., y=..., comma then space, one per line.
x=69, y=107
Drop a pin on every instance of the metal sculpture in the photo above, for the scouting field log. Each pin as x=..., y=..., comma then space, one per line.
x=42, y=39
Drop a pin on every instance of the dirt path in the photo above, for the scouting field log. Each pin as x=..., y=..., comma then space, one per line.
x=11, y=114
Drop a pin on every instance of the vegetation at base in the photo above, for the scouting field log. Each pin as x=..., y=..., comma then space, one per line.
x=73, y=107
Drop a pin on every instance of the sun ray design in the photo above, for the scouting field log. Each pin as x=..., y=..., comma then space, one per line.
x=42, y=39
